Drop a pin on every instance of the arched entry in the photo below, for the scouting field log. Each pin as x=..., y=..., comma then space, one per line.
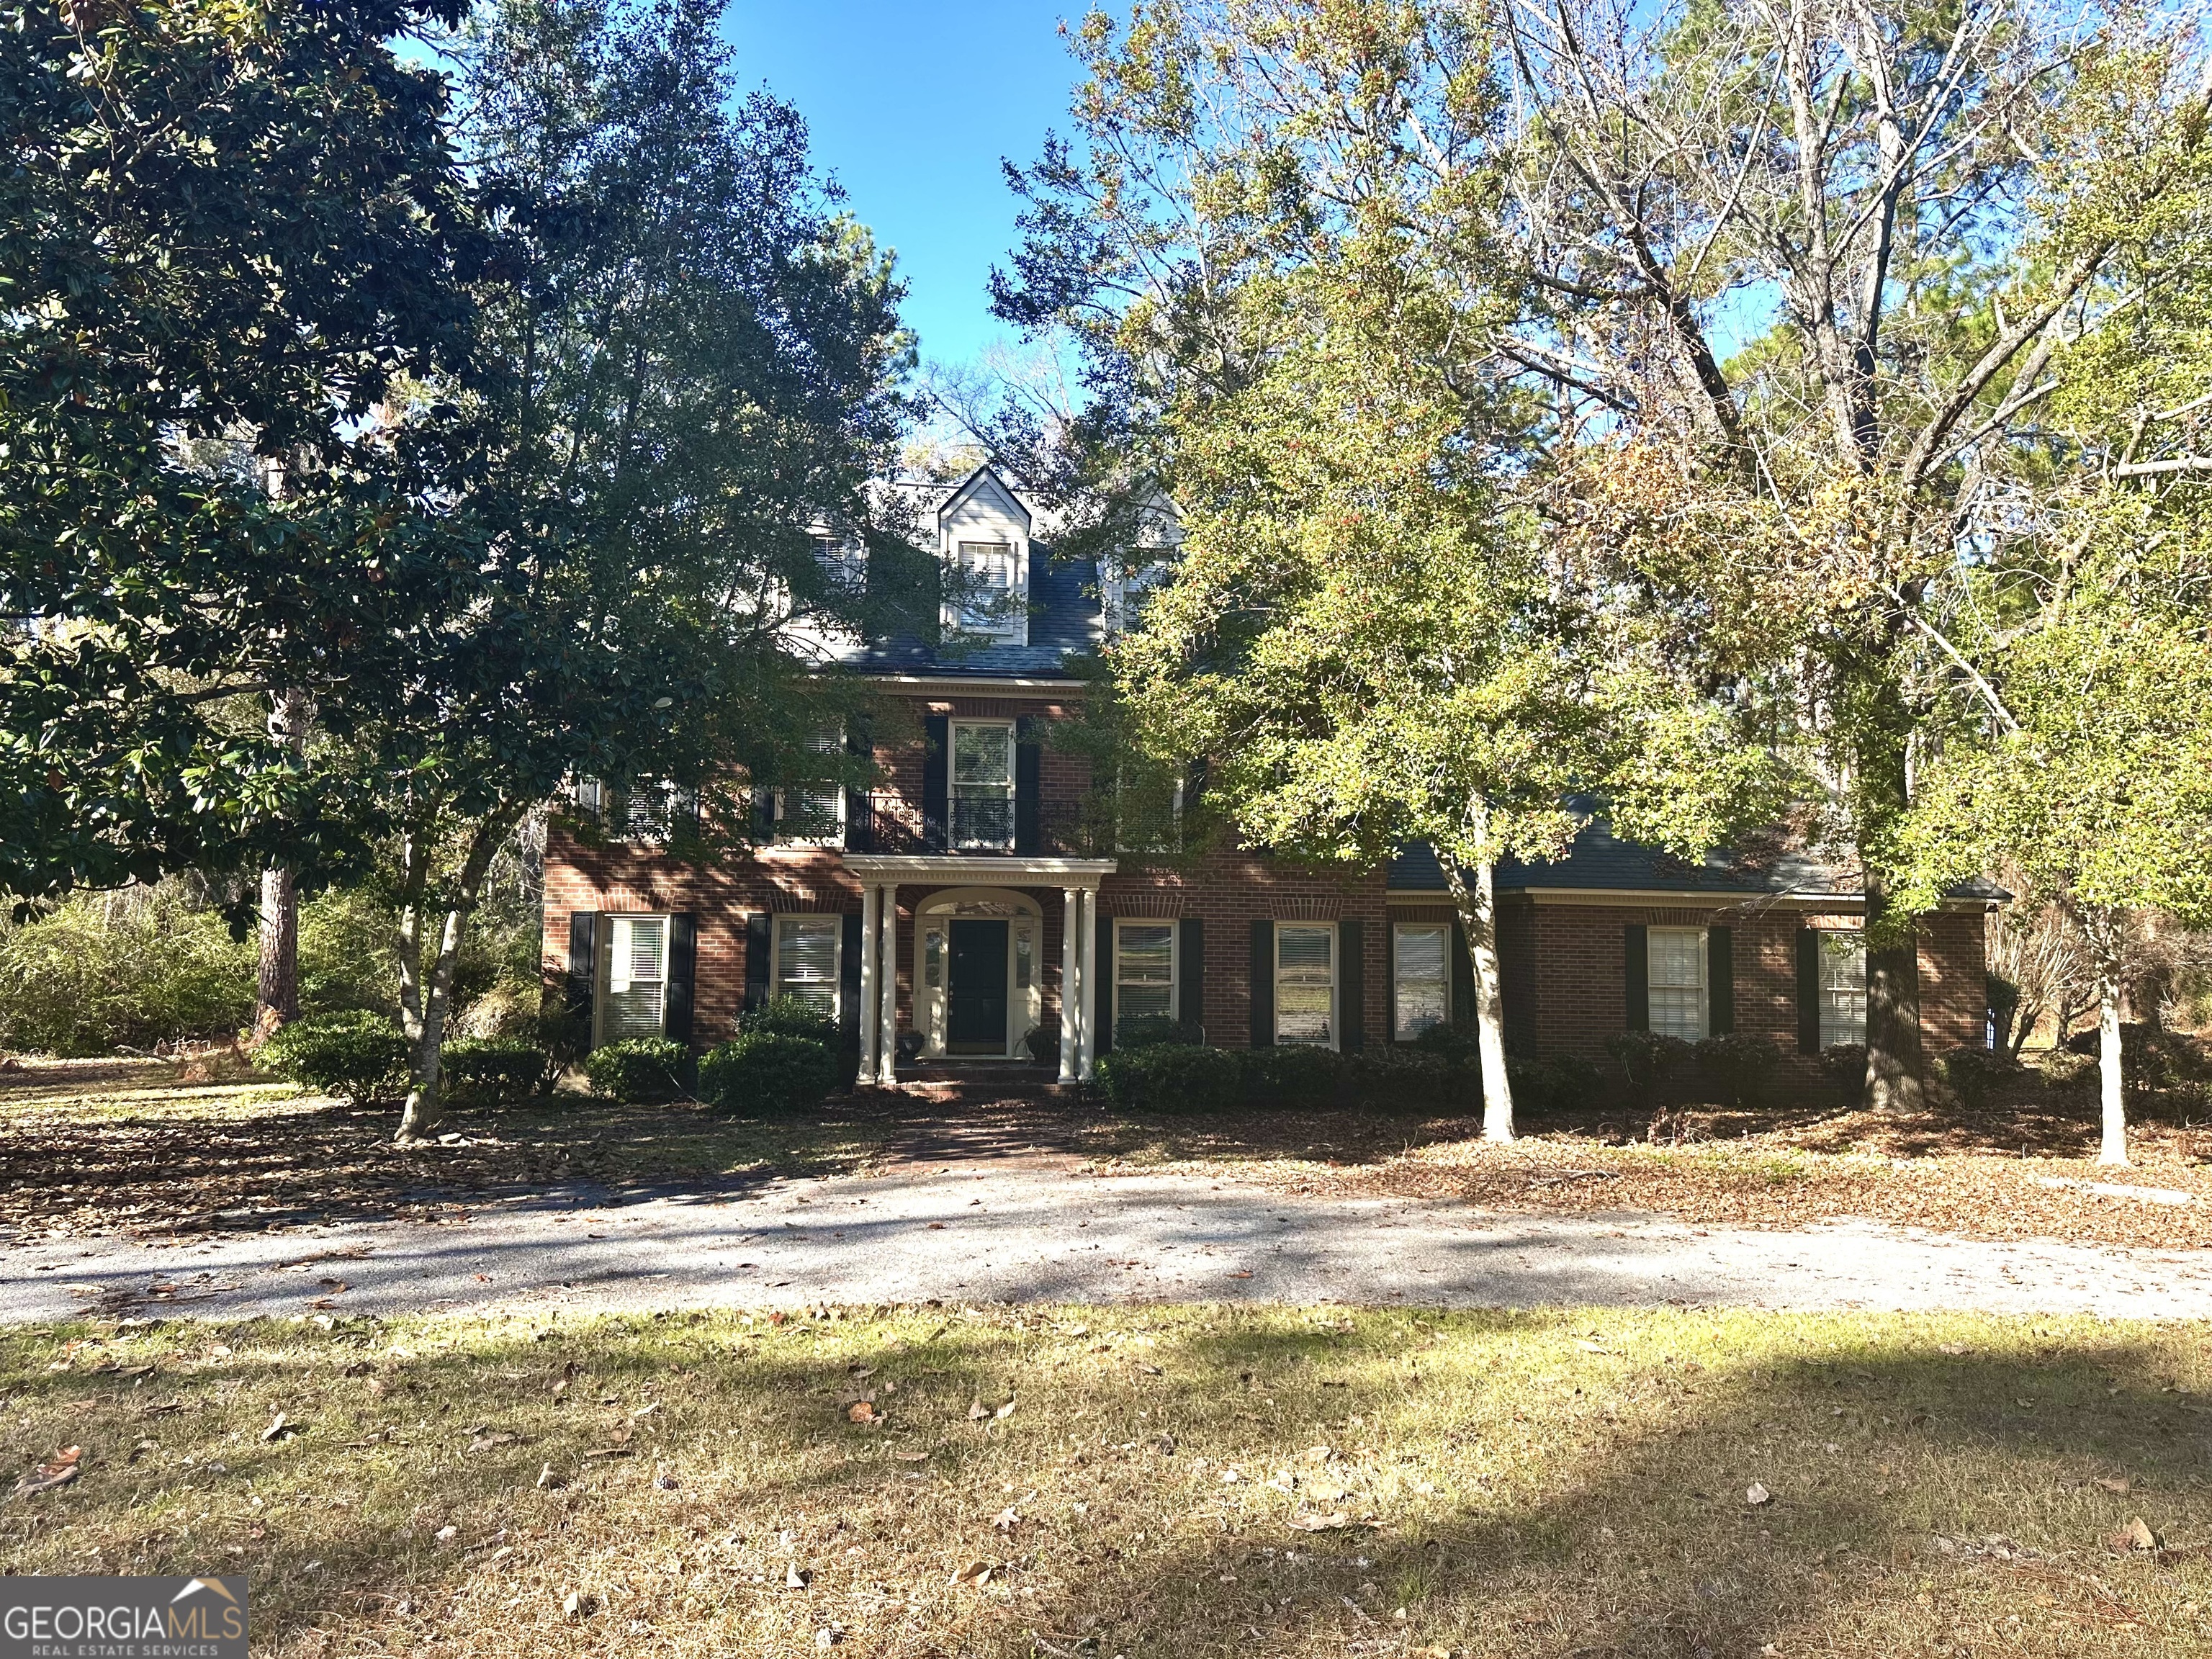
x=978, y=972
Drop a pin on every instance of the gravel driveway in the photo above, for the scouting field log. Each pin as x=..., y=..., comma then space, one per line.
x=1034, y=1229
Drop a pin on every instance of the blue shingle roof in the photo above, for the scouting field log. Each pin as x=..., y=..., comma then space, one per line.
x=1599, y=861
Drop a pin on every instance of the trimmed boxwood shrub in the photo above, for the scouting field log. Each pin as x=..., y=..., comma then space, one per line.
x=1392, y=1076
x=761, y=1071
x=1556, y=1085
x=1142, y=1030
x=359, y=1057
x=1737, y=1066
x=789, y=1016
x=493, y=1070
x=1291, y=1074
x=1176, y=1077
x=1974, y=1073
x=647, y=1070
x=1845, y=1063
x=1655, y=1065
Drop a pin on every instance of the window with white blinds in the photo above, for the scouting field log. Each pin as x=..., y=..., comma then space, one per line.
x=1421, y=978
x=1305, y=983
x=814, y=814
x=806, y=960
x=1144, y=971
x=634, y=991
x=1843, y=985
x=981, y=784
x=984, y=602
x=1678, y=999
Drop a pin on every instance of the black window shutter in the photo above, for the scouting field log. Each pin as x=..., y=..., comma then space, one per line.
x=1351, y=986
x=1638, y=947
x=859, y=817
x=848, y=978
x=1190, y=971
x=759, y=941
x=1102, y=997
x=1029, y=780
x=1462, y=976
x=1808, y=990
x=937, y=782
x=1720, y=979
x=583, y=966
x=1263, y=985
x=683, y=959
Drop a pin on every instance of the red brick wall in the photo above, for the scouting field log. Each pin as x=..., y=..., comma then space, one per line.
x=1569, y=970
x=1563, y=964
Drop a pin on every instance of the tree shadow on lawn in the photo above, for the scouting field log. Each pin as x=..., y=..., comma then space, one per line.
x=1544, y=1482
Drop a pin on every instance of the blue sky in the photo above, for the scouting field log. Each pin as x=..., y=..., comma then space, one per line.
x=911, y=105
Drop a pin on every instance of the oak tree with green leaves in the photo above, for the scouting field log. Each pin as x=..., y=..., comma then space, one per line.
x=1362, y=628
x=1786, y=296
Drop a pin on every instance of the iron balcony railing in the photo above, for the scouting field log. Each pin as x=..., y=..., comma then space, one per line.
x=891, y=822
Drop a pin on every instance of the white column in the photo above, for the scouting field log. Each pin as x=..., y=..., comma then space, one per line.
x=1070, y=1026
x=868, y=1010
x=887, y=982
x=1086, y=963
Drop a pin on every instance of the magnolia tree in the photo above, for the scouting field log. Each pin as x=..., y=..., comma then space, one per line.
x=689, y=370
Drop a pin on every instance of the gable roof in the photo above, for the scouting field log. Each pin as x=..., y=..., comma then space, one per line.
x=1065, y=614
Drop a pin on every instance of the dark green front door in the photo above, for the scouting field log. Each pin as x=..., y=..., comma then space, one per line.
x=976, y=1018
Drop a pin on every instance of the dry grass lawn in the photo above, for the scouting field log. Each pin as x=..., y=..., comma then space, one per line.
x=1159, y=1482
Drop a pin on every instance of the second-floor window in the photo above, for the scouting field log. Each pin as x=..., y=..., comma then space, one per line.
x=982, y=784
x=815, y=812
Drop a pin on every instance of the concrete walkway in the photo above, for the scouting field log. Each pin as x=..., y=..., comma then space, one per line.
x=1036, y=1230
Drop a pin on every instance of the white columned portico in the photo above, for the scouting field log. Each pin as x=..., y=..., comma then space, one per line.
x=868, y=971
x=887, y=985
x=1070, y=1025
x=882, y=874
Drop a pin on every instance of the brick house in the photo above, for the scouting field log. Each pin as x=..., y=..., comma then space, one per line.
x=954, y=910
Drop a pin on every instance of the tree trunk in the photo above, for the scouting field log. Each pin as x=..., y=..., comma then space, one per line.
x=2104, y=932
x=1478, y=914
x=1893, y=1016
x=423, y=1004
x=276, y=995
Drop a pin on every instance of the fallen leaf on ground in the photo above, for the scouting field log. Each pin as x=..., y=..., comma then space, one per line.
x=1006, y=1410
x=1006, y=1519
x=1309, y=1522
x=861, y=1412
x=549, y=1481
x=1242, y=1272
x=1755, y=1493
x=2111, y=1484
x=797, y=1578
x=280, y=1428
x=491, y=1437
x=2136, y=1535
x=978, y=1412
x=976, y=1572
x=59, y=1472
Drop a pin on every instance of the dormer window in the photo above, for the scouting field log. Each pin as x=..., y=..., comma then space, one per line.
x=984, y=602
x=984, y=533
